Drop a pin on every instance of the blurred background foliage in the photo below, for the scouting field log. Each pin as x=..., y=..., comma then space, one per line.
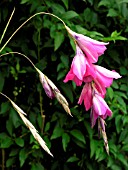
x=45, y=41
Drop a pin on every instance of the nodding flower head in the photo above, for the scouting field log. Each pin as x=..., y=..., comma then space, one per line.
x=92, y=48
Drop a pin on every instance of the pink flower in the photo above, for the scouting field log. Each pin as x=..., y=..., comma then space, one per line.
x=86, y=96
x=80, y=68
x=104, y=78
x=92, y=48
x=46, y=86
x=99, y=108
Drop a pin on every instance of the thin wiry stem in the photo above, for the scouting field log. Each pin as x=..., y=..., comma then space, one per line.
x=15, y=52
x=7, y=26
x=39, y=13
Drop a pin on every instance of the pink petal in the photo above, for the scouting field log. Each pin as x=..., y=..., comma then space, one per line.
x=79, y=64
x=107, y=73
x=100, y=106
x=71, y=76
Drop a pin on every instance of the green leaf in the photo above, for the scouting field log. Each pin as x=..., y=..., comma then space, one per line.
x=9, y=126
x=104, y=3
x=121, y=94
x=78, y=135
x=57, y=132
x=79, y=143
x=93, y=147
x=58, y=40
x=37, y=166
x=73, y=159
x=118, y=122
x=10, y=162
x=18, y=66
x=65, y=3
x=122, y=159
x=69, y=15
x=47, y=126
x=19, y=141
x=89, y=129
x=123, y=71
x=125, y=147
x=5, y=106
x=123, y=135
x=112, y=13
x=15, y=118
x=58, y=8
x=68, y=91
x=24, y=1
x=110, y=93
x=5, y=141
x=14, y=152
x=65, y=140
x=22, y=156
x=65, y=60
x=122, y=104
x=61, y=75
x=115, y=85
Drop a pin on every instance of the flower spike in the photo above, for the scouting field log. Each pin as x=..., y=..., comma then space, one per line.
x=29, y=125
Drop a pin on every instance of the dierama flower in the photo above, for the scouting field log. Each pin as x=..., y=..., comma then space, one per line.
x=92, y=48
x=80, y=68
x=99, y=108
x=104, y=78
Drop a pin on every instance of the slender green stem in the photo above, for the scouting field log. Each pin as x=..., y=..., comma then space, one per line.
x=39, y=13
x=6, y=26
x=40, y=92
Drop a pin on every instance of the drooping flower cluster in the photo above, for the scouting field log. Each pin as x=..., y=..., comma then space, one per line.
x=96, y=78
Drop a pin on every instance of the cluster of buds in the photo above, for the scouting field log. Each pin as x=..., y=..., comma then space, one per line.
x=95, y=78
x=52, y=91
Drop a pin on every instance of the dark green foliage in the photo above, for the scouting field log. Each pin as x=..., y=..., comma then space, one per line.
x=45, y=41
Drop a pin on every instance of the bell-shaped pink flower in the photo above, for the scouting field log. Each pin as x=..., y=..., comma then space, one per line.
x=80, y=68
x=104, y=78
x=92, y=48
x=86, y=96
x=99, y=108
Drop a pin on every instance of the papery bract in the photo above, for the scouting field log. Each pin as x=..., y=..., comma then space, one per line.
x=99, y=108
x=92, y=48
x=86, y=96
